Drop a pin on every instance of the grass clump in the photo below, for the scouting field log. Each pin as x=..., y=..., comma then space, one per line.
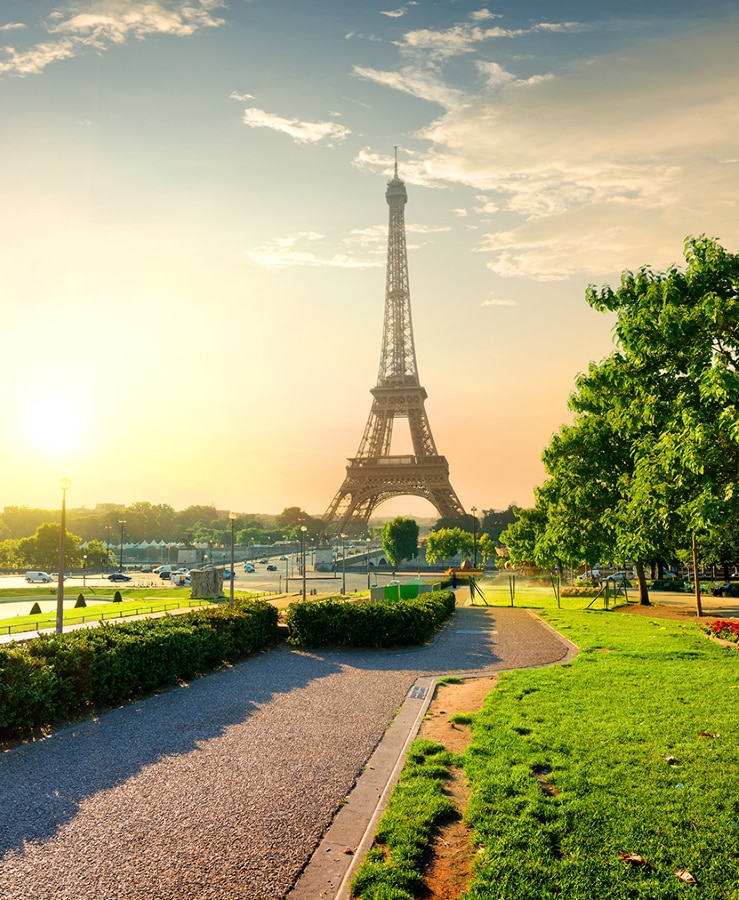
x=630, y=750
x=392, y=868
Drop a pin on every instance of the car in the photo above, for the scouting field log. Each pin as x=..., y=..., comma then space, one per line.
x=620, y=578
x=227, y=574
x=283, y=558
x=263, y=559
x=166, y=575
x=590, y=575
x=42, y=577
x=119, y=576
x=145, y=569
x=249, y=567
x=271, y=567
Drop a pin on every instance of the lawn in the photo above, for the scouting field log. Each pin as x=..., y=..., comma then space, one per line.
x=607, y=777
x=135, y=602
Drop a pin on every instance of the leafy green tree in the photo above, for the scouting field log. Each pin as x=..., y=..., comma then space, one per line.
x=486, y=548
x=526, y=539
x=494, y=521
x=10, y=554
x=400, y=540
x=448, y=542
x=42, y=550
x=98, y=556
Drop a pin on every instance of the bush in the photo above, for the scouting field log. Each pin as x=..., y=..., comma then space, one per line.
x=56, y=676
x=316, y=623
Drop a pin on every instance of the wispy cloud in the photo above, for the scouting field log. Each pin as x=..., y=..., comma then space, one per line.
x=422, y=83
x=301, y=132
x=496, y=301
x=13, y=26
x=100, y=24
x=394, y=13
x=291, y=250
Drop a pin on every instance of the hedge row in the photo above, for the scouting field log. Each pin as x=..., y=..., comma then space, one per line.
x=56, y=676
x=316, y=623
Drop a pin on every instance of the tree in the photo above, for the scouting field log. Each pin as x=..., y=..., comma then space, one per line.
x=42, y=550
x=486, y=547
x=448, y=542
x=494, y=521
x=680, y=332
x=400, y=540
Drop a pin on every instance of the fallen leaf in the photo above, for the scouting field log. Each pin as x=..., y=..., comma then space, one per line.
x=685, y=876
x=708, y=734
x=672, y=760
x=633, y=858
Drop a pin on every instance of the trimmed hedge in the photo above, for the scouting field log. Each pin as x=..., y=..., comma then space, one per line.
x=316, y=623
x=56, y=676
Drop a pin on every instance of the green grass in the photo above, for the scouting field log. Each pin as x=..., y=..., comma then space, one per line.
x=631, y=748
x=496, y=588
x=616, y=739
x=391, y=870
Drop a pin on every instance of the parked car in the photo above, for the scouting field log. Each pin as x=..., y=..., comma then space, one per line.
x=249, y=567
x=181, y=579
x=166, y=575
x=590, y=575
x=283, y=558
x=620, y=578
x=227, y=574
x=119, y=576
x=38, y=577
x=263, y=559
x=146, y=569
x=271, y=567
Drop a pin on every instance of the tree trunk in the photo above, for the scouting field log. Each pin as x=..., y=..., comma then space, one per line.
x=698, y=607
x=643, y=591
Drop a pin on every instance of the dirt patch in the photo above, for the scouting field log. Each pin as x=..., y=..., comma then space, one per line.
x=448, y=859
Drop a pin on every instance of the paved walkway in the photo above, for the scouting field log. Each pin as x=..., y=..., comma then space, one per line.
x=224, y=788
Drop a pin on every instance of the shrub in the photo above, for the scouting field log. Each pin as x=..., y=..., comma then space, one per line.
x=316, y=623
x=55, y=676
x=80, y=602
x=117, y=597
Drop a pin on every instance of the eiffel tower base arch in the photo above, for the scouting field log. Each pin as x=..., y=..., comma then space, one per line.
x=369, y=483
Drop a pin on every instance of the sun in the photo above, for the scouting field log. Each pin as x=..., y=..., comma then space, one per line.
x=54, y=425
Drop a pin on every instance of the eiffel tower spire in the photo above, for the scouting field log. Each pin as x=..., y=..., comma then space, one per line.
x=374, y=475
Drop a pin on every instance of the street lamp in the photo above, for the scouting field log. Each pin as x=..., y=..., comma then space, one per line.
x=64, y=485
x=84, y=569
x=232, y=517
x=368, y=563
x=121, y=522
x=343, y=563
x=474, y=537
x=303, y=530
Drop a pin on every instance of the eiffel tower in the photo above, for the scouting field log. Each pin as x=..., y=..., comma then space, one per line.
x=374, y=475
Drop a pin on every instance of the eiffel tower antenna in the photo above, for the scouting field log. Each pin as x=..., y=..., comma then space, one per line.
x=374, y=474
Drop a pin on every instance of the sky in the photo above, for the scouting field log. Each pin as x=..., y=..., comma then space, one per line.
x=194, y=229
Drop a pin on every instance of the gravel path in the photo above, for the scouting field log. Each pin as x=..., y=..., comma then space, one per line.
x=223, y=788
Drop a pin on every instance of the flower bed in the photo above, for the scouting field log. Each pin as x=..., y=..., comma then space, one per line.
x=723, y=630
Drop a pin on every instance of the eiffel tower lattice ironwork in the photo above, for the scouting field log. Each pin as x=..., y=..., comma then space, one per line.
x=374, y=475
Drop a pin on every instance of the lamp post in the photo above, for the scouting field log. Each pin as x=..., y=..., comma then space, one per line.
x=343, y=563
x=474, y=537
x=121, y=522
x=232, y=517
x=84, y=569
x=64, y=485
x=303, y=530
x=368, y=563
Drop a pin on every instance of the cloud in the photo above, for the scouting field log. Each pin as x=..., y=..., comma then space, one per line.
x=619, y=154
x=394, y=13
x=234, y=95
x=100, y=24
x=288, y=251
x=300, y=132
x=465, y=37
x=13, y=26
x=414, y=169
x=494, y=301
x=421, y=83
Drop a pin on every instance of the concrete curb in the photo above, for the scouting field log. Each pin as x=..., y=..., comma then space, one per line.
x=350, y=835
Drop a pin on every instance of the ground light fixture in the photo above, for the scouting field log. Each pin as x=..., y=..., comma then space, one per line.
x=232, y=517
x=121, y=522
x=474, y=537
x=64, y=485
x=303, y=531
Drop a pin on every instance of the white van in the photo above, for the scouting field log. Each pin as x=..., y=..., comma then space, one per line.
x=35, y=577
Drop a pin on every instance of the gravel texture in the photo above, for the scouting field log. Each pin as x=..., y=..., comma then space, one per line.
x=222, y=789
